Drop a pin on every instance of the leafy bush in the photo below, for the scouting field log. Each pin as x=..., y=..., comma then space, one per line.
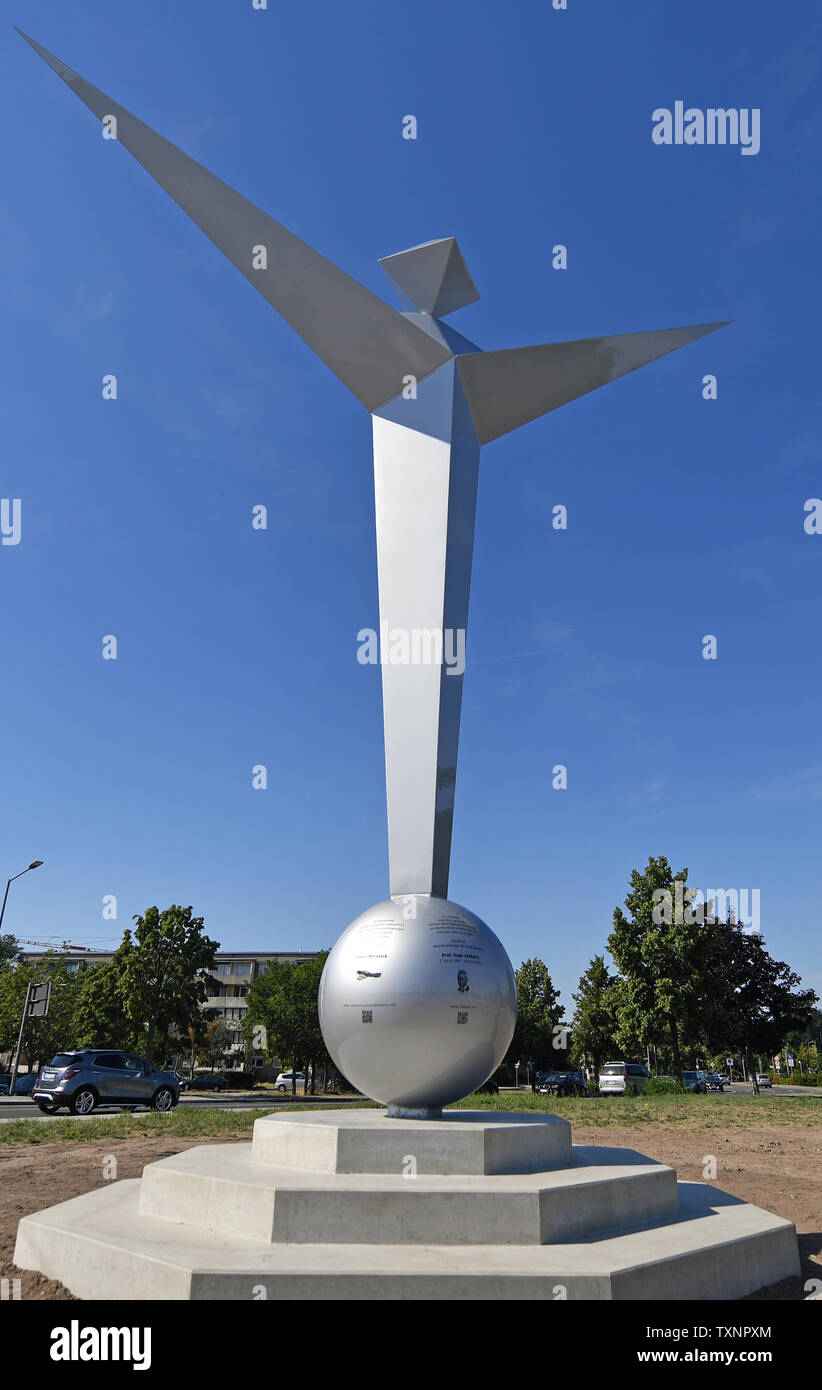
x=241, y=1080
x=664, y=1086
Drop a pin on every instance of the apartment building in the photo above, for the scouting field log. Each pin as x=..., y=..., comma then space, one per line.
x=234, y=973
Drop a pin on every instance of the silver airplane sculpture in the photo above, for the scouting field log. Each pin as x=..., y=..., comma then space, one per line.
x=435, y=399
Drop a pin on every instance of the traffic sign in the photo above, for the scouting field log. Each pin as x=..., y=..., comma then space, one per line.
x=39, y=997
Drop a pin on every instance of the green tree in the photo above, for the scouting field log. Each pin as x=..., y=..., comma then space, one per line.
x=283, y=1001
x=595, y=1024
x=100, y=1014
x=166, y=967
x=43, y=1037
x=217, y=1043
x=312, y=1045
x=806, y=1054
x=660, y=948
x=810, y=1034
x=537, y=1039
x=13, y=985
x=753, y=1002
x=9, y=951
x=196, y=1035
x=631, y=1034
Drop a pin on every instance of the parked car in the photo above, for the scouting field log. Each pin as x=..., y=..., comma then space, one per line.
x=714, y=1081
x=88, y=1077
x=207, y=1082
x=25, y=1084
x=762, y=1079
x=623, y=1079
x=695, y=1082
x=283, y=1082
x=562, y=1083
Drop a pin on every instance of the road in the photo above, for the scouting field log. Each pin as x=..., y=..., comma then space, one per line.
x=743, y=1088
x=21, y=1108
x=24, y=1109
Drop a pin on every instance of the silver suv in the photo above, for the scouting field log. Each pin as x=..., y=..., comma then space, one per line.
x=92, y=1076
x=622, y=1079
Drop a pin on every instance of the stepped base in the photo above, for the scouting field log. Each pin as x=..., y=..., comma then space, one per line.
x=220, y=1189
x=462, y=1142
x=220, y=1222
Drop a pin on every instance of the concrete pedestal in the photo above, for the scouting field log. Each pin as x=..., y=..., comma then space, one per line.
x=354, y=1205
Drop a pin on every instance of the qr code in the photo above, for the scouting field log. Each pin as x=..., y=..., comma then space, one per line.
x=462, y=1018
x=367, y=1016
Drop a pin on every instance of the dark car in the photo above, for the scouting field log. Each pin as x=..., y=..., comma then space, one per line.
x=207, y=1083
x=87, y=1077
x=695, y=1082
x=25, y=1084
x=563, y=1083
x=714, y=1081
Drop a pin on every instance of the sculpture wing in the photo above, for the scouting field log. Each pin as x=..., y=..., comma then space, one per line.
x=506, y=389
x=365, y=342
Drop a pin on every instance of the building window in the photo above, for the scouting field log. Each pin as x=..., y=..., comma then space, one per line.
x=241, y=991
x=243, y=968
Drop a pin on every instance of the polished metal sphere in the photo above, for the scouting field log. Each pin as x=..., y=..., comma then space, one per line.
x=417, y=1002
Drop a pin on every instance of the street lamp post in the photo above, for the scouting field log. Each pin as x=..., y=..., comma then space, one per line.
x=36, y=864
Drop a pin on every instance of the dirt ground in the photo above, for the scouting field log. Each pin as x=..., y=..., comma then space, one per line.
x=779, y=1168
x=776, y=1167
x=37, y=1176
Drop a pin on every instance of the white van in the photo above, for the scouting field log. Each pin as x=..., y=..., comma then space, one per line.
x=623, y=1079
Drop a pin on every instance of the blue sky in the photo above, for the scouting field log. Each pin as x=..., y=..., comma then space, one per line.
x=238, y=647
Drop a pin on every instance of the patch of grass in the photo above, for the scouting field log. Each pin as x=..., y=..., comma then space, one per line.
x=700, y=1112
x=183, y=1122
x=618, y=1112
